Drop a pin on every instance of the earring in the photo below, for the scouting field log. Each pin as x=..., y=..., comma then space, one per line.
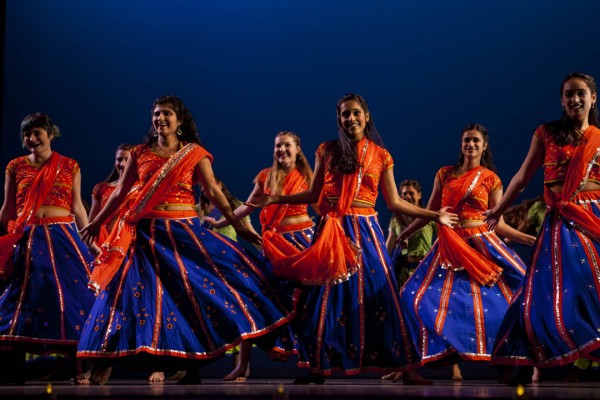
x=155, y=134
x=179, y=132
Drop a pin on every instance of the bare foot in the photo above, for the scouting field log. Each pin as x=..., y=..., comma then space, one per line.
x=537, y=375
x=177, y=376
x=393, y=376
x=237, y=375
x=412, y=378
x=157, y=377
x=83, y=379
x=100, y=375
x=456, y=374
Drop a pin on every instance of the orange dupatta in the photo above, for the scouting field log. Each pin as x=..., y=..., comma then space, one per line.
x=454, y=251
x=576, y=177
x=274, y=246
x=37, y=193
x=124, y=231
x=332, y=258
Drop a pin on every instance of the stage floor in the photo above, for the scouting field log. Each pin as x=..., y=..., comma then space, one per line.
x=280, y=389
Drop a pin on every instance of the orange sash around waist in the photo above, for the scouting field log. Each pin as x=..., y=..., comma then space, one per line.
x=37, y=193
x=453, y=249
x=148, y=197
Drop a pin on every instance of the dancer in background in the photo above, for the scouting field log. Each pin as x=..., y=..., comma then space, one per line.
x=102, y=191
x=554, y=318
x=406, y=256
x=43, y=261
x=172, y=293
x=458, y=295
x=350, y=317
x=282, y=225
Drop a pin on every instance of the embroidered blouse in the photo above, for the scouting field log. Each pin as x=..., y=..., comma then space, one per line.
x=476, y=203
x=557, y=158
x=61, y=195
x=102, y=192
x=149, y=162
x=368, y=190
x=292, y=210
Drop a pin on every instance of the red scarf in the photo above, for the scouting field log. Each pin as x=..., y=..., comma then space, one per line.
x=576, y=177
x=37, y=193
x=148, y=197
x=453, y=249
x=274, y=246
x=315, y=265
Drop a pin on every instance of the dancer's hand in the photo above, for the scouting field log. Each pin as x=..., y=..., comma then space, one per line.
x=447, y=218
x=261, y=201
x=248, y=235
x=90, y=233
x=491, y=218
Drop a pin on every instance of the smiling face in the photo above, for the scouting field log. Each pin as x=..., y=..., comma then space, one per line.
x=577, y=99
x=353, y=119
x=165, y=120
x=473, y=144
x=121, y=157
x=410, y=194
x=286, y=151
x=36, y=139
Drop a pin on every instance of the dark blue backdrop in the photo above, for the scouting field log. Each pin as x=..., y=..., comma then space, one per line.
x=248, y=69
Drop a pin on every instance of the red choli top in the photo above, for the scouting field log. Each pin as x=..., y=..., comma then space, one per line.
x=292, y=210
x=557, y=158
x=102, y=192
x=476, y=203
x=149, y=162
x=61, y=193
x=368, y=190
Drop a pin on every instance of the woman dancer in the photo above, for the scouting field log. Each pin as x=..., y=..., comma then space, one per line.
x=282, y=225
x=350, y=319
x=102, y=191
x=554, y=318
x=171, y=291
x=457, y=296
x=45, y=264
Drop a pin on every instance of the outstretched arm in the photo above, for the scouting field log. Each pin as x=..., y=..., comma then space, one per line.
x=91, y=231
x=216, y=196
x=398, y=205
x=505, y=230
x=533, y=161
x=309, y=196
x=9, y=208
x=435, y=203
x=242, y=211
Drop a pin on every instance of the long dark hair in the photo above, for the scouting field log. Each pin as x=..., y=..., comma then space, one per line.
x=114, y=175
x=487, y=160
x=205, y=201
x=563, y=130
x=188, y=126
x=344, y=149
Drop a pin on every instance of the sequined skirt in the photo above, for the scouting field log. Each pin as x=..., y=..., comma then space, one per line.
x=555, y=317
x=356, y=325
x=184, y=292
x=449, y=313
x=44, y=304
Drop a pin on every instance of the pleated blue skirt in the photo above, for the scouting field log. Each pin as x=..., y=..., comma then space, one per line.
x=449, y=313
x=44, y=304
x=356, y=325
x=555, y=317
x=184, y=291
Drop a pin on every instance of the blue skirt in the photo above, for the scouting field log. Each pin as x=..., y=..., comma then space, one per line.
x=44, y=304
x=283, y=343
x=356, y=325
x=186, y=292
x=555, y=317
x=449, y=312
